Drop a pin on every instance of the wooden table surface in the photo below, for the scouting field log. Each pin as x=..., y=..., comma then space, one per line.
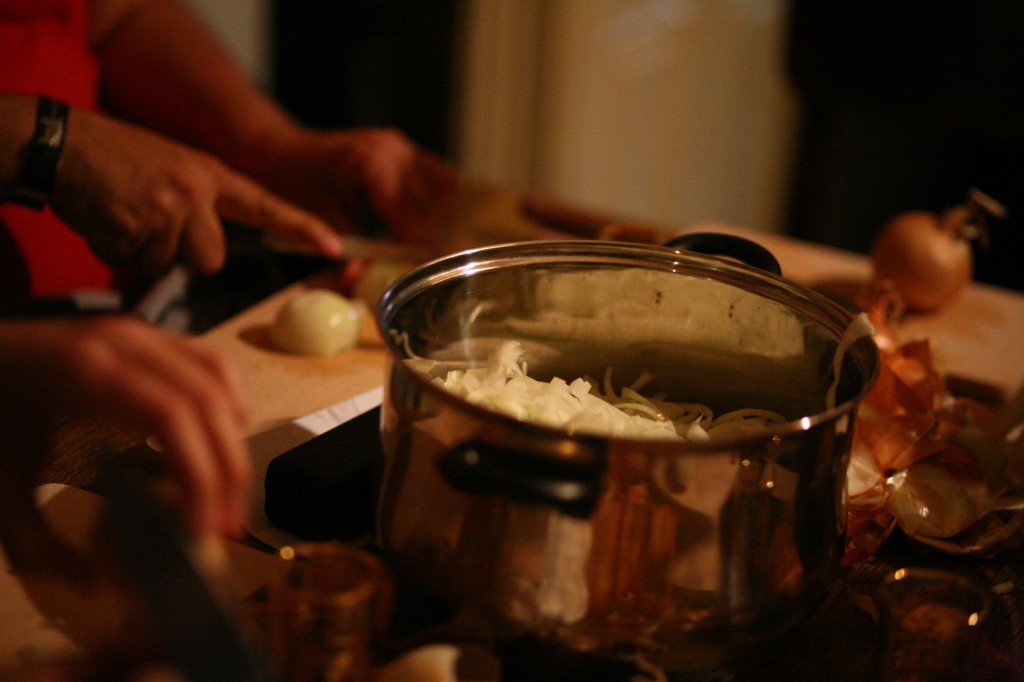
x=978, y=339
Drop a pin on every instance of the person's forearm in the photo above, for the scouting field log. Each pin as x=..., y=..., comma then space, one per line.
x=161, y=68
x=17, y=121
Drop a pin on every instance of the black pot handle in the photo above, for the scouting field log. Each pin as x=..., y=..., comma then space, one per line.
x=719, y=244
x=569, y=486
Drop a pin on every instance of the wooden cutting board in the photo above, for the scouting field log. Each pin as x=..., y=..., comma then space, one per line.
x=977, y=339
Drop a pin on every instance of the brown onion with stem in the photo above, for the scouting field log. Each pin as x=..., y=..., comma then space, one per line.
x=927, y=256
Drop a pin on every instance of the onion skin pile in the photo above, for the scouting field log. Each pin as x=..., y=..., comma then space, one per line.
x=926, y=256
x=921, y=460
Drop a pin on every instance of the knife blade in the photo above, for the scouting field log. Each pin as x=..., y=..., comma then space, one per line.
x=353, y=246
x=556, y=215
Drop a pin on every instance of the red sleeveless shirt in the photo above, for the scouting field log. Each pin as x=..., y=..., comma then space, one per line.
x=45, y=50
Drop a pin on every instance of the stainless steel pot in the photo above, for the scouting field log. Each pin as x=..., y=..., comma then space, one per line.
x=696, y=557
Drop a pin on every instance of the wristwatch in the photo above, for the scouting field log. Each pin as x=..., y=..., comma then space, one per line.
x=35, y=184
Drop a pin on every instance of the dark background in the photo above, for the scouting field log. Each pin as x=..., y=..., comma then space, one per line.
x=904, y=104
x=349, y=63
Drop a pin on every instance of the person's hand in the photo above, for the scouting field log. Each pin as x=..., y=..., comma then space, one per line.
x=340, y=175
x=120, y=372
x=141, y=198
x=140, y=378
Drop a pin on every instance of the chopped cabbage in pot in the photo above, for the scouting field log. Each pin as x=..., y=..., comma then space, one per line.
x=580, y=407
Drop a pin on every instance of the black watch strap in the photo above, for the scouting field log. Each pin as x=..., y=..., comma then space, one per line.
x=35, y=184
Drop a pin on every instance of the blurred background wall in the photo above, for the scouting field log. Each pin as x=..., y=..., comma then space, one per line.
x=244, y=26
x=819, y=118
x=673, y=111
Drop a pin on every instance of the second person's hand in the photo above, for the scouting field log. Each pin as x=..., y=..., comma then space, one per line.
x=343, y=175
x=148, y=382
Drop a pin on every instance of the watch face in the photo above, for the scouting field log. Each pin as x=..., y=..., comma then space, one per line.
x=51, y=131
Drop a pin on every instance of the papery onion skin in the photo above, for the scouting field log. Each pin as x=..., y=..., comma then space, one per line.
x=925, y=257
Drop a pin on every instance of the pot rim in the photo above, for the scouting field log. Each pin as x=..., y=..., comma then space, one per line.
x=809, y=303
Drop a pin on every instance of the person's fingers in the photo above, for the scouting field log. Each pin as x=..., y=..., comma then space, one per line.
x=206, y=446
x=159, y=407
x=202, y=244
x=234, y=474
x=176, y=223
x=186, y=396
x=217, y=468
x=158, y=253
x=185, y=444
x=425, y=191
x=444, y=180
x=225, y=417
x=250, y=204
x=116, y=246
x=387, y=169
x=178, y=394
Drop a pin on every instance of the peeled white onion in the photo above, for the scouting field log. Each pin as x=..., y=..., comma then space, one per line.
x=429, y=663
x=316, y=322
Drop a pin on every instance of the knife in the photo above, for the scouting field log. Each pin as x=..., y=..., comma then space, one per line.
x=353, y=246
x=197, y=634
x=559, y=216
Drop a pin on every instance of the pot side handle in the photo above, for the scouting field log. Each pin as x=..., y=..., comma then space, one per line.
x=478, y=468
x=720, y=244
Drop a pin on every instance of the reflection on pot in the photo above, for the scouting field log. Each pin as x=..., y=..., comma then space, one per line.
x=695, y=555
